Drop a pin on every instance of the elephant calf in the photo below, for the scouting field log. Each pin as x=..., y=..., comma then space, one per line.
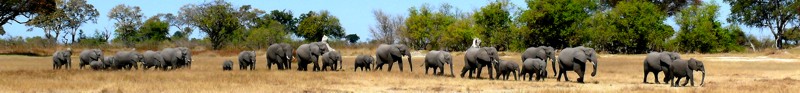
x=436, y=60
x=363, y=61
x=247, y=59
x=505, y=68
x=533, y=66
x=330, y=59
x=685, y=69
x=97, y=65
x=227, y=65
x=62, y=58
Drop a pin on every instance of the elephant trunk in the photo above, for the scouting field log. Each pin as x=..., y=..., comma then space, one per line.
x=410, y=65
x=451, y=70
x=702, y=81
x=594, y=64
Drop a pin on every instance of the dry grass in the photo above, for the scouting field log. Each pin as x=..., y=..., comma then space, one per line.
x=617, y=73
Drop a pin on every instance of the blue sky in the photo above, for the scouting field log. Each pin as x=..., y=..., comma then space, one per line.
x=355, y=15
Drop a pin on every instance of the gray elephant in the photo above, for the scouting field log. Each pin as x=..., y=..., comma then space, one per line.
x=544, y=53
x=656, y=62
x=331, y=59
x=309, y=53
x=280, y=55
x=477, y=58
x=685, y=69
x=97, y=65
x=188, y=57
x=173, y=58
x=90, y=55
x=505, y=68
x=575, y=59
x=62, y=58
x=247, y=60
x=127, y=60
x=436, y=60
x=364, y=61
x=108, y=61
x=152, y=59
x=227, y=65
x=389, y=54
x=533, y=66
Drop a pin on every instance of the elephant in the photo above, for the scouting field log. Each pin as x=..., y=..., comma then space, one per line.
x=90, y=55
x=330, y=59
x=436, y=60
x=685, y=69
x=247, y=59
x=533, y=66
x=364, y=61
x=389, y=54
x=280, y=55
x=108, y=61
x=309, y=53
x=173, y=58
x=62, y=58
x=227, y=65
x=127, y=59
x=97, y=65
x=505, y=68
x=476, y=58
x=656, y=62
x=153, y=59
x=188, y=57
x=544, y=53
x=575, y=59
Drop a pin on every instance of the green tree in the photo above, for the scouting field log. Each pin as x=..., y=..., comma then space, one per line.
x=554, y=22
x=493, y=23
x=129, y=19
x=314, y=25
x=700, y=32
x=154, y=29
x=352, y=38
x=458, y=34
x=78, y=12
x=671, y=7
x=217, y=19
x=27, y=8
x=284, y=17
x=425, y=26
x=772, y=14
x=631, y=27
x=263, y=36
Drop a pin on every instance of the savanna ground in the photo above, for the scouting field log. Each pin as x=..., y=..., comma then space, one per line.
x=736, y=72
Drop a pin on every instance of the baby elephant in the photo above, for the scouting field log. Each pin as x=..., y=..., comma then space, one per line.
x=364, y=61
x=685, y=69
x=97, y=65
x=505, y=68
x=247, y=59
x=533, y=66
x=330, y=59
x=436, y=60
x=227, y=65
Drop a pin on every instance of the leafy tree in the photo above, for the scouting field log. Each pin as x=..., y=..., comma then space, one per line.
x=284, y=17
x=671, y=7
x=352, y=38
x=458, y=35
x=554, y=22
x=772, y=14
x=154, y=29
x=78, y=12
x=217, y=19
x=313, y=25
x=129, y=19
x=27, y=8
x=700, y=32
x=425, y=26
x=631, y=27
x=494, y=22
x=263, y=36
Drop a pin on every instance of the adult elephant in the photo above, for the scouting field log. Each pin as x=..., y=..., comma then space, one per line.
x=656, y=62
x=575, y=59
x=309, y=53
x=685, y=69
x=127, y=60
x=476, y=58
x=332, y=59
x=247, y=59
x=389, y=54
x=87, y=56
x=62, y=58
x=280, y=55
x=436, y=60
x=188, y=57
x=152, y=59
x=173, y=57
x=542, y=53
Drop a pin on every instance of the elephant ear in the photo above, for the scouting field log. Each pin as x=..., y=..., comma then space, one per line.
x=581, y=56
x=483, y=54
x=395, y=51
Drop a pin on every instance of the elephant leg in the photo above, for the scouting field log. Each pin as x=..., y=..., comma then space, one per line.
x=490, y=67
x=479, y=70
x=464, y=71
x=655, y=74
x=687, y=81
x=390, y=67
x=645, y=76
x=579, y=69
x=426, y=70
x=441, y=70
x=400, y=65
x=269, y=65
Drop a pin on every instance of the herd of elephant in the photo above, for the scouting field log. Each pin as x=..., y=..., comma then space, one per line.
x=534, y=61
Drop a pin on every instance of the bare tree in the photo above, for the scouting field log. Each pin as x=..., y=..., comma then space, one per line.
x=386, y=31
